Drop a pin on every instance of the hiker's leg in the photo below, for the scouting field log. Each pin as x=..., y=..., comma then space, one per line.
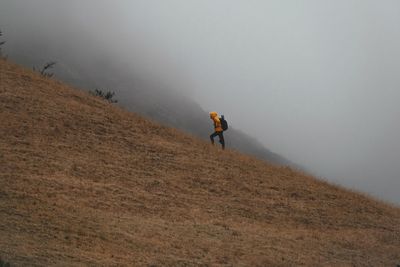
x=212, y=137
x=221, y=139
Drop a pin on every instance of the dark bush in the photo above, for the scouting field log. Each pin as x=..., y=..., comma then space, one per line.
x=44, y=71
x=1, y=44
x=4, y=263
x=107, y=95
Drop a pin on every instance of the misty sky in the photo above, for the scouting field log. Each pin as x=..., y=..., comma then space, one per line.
x=315, y=81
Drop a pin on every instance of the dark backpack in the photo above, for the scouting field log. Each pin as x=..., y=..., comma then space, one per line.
x=224, y=123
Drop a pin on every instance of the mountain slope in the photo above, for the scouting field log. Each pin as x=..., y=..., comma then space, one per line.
x=146, y=96
x=83, y=182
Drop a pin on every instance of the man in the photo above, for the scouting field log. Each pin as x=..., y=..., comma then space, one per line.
x=218, y=129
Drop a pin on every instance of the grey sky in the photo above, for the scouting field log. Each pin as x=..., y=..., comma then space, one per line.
x=315, y=81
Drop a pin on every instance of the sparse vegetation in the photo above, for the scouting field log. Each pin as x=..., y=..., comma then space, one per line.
x=107, y=95
x=44, y=71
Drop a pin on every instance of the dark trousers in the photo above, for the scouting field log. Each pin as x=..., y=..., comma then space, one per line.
x=221, y=138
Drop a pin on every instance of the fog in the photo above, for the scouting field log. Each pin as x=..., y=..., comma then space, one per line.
x=314, y=81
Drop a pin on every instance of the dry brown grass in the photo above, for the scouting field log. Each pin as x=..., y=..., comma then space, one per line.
x=83, y=182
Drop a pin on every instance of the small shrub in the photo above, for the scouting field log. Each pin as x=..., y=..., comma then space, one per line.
x=1, y=44
x=44, y=71
x=107, y=95
x=4, y=263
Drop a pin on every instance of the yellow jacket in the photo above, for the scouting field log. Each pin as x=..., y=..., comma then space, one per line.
x=217, y=122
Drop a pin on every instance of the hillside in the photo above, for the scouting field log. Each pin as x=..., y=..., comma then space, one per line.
x=145, y=96
x=83, y=182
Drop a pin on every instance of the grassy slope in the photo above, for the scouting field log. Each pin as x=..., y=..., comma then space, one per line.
x=84, y=182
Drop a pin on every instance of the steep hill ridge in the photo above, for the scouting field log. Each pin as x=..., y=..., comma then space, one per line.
x=83, y=182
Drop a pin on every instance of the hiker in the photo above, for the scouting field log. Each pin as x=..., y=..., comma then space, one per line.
x=219, y=125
